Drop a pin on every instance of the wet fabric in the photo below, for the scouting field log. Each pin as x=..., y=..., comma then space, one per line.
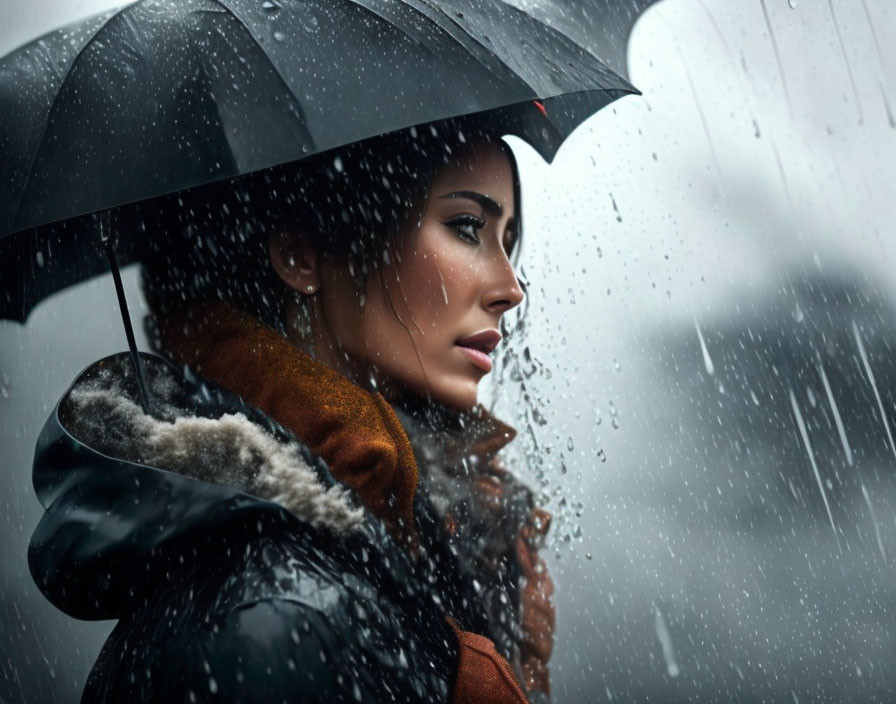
x=166, y=95
x=206, y=570
x=487, y=517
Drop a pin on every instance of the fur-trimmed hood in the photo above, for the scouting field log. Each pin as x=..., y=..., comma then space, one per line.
x=121, y=486
x=208, y=528
x=221, y=447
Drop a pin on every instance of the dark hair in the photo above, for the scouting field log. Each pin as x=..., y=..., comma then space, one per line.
x=350, y=202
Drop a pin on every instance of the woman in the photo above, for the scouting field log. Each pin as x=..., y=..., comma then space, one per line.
x=312, y=511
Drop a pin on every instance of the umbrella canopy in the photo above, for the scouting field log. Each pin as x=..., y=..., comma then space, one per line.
x=165, y=95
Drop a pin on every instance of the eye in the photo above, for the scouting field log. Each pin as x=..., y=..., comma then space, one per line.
x=467, y=227
x=510, y=239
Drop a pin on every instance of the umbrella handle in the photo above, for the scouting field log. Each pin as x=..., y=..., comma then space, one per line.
x=109, y=244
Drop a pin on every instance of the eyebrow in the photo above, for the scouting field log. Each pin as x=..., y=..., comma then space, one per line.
x=490, y=205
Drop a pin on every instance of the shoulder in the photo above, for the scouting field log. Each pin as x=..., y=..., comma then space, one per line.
x=268, y=650
x=288, y=620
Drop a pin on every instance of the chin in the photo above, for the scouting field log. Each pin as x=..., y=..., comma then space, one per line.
x=458, y=395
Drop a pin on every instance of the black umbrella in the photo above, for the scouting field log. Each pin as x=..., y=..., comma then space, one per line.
x=166, y=95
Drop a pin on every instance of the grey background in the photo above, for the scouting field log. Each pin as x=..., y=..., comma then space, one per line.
x=697, y=257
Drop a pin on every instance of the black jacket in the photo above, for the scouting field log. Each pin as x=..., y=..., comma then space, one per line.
x=224, y=596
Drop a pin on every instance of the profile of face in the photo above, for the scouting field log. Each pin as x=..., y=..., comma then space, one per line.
x=428, y=318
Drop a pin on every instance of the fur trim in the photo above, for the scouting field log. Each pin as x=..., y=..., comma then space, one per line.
x=228, y=450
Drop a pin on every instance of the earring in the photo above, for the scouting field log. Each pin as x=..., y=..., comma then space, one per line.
x=309, y=288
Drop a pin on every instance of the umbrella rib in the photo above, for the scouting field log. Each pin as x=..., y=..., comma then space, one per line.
x=43, y=133
x=555, y=31
x=261, y=47
x=467, y=34
x=364, y=6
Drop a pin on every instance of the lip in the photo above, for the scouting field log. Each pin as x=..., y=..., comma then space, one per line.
x=478, y=347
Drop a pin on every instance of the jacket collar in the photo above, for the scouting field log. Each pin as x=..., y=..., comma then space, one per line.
x=356, y=432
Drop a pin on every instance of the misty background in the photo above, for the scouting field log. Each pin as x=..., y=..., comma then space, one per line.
x=712, y=329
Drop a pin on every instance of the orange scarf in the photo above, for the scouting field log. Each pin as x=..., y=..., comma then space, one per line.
x=356, y=432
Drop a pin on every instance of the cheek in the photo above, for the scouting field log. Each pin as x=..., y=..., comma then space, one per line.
x=437, y=279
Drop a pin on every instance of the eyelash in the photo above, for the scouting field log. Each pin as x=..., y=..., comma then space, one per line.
x=467, y=221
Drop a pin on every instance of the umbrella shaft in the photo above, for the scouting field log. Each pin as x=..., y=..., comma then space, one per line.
x=128, y=328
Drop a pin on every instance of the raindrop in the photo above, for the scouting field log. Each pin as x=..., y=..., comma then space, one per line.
x=791, y=4
x=870, y=374
x=890, y=117
x=616, y=209
x=279, y=36
x=5, y=386
x=662, y=633
x=838, y=421
x=880, y=542
x=40, y=258
x=337, y=164
x=271, y=6
x=212, y=685
x=569, y=444
x=804, y=433
x=707, y=360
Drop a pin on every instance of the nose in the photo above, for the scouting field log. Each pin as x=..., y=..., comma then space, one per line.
x=503, y=290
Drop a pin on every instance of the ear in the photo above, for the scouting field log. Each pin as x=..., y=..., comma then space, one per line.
x=295, y=262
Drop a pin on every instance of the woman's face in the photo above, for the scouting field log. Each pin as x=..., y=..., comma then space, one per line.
x=431, y=312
